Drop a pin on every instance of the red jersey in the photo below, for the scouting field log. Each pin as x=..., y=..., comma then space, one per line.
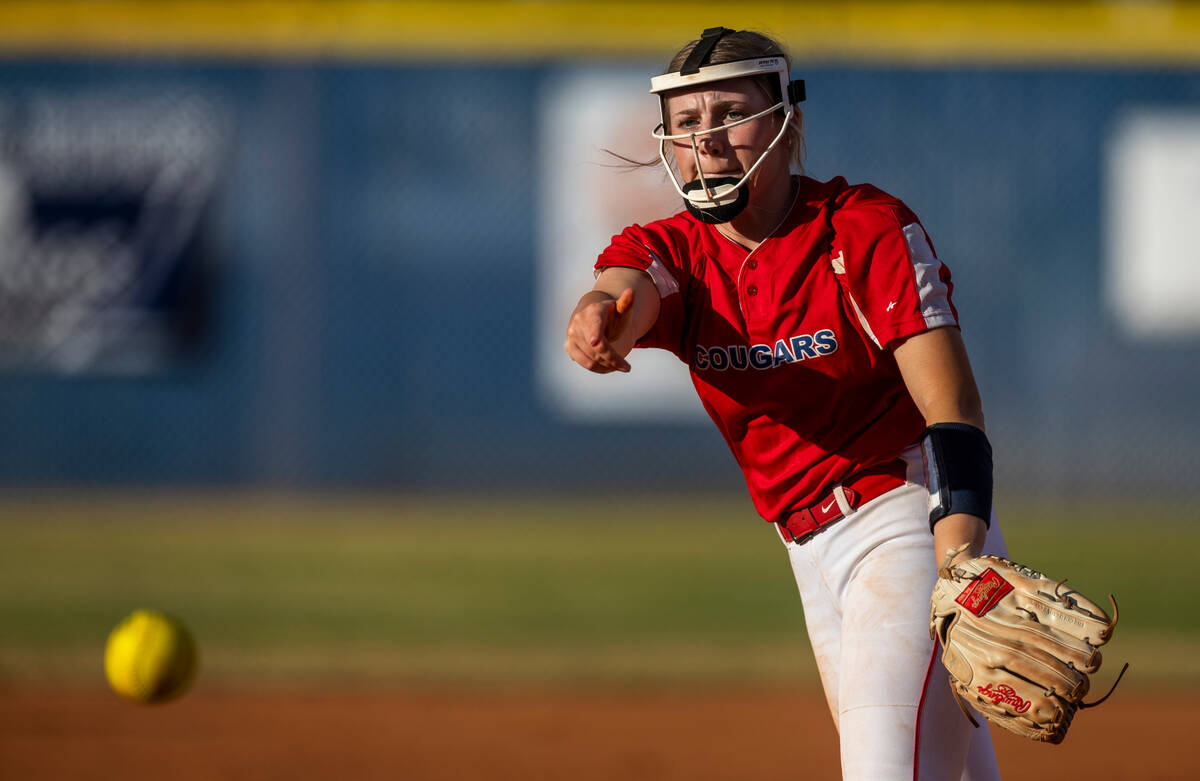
x=790, y=345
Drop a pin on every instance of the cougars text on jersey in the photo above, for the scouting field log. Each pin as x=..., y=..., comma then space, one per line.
x=766, y=356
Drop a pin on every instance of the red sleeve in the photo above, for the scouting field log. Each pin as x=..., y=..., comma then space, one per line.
x=896, y=284
x=652, y=251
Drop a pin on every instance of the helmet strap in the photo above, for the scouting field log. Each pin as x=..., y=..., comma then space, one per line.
x=699, y=55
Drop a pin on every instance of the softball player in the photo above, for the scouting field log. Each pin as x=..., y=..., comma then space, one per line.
x=818, y=327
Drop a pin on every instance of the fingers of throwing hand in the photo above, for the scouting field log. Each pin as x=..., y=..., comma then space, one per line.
x=587, y=343
x=585, y=360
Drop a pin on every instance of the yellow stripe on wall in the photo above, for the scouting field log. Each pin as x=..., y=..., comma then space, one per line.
x=1130, y=32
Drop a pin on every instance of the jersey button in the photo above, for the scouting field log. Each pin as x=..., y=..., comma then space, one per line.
x=752, y=290
x=752, y=264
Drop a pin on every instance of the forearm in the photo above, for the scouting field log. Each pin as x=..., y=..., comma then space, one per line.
x=939, y=378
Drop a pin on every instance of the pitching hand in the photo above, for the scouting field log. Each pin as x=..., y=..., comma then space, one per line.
x=598, y=330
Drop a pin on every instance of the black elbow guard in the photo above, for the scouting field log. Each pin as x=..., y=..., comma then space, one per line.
x=958, y=471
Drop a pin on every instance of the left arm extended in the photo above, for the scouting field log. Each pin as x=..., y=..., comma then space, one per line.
x=938, y=376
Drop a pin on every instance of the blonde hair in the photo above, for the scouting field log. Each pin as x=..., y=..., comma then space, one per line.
x=746, y=45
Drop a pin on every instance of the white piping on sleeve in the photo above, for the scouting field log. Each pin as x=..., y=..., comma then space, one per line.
x=863, y=320
x=932, y=291
x=839, y=267
x=663, y=280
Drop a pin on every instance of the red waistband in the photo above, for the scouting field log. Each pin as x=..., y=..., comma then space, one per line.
x=859, y=488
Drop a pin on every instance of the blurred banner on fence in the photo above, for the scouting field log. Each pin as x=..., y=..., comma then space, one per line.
x=299, y=254
x=101, y=194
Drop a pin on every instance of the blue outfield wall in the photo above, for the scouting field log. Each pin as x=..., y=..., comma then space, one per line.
x=370, y=246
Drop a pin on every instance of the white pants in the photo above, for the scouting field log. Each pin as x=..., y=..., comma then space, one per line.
x=865, y=583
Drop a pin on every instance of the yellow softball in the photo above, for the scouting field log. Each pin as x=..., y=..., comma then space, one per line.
x=150, y=657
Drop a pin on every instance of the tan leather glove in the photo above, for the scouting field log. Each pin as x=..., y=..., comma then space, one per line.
x=1018, y=646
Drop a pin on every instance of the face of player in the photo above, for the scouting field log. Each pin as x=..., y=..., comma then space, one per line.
x=729, y=152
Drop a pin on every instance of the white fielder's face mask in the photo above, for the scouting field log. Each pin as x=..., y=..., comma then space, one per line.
x=720, y=199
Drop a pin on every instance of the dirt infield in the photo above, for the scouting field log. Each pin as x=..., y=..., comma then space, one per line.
x=423, y=736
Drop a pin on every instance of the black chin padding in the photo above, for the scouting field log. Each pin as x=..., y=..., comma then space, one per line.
x=717, y=214
x=699, y=55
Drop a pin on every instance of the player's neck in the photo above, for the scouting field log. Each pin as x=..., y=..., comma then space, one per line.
x=764, y=214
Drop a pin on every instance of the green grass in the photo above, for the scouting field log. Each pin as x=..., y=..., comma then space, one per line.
x=550, y=591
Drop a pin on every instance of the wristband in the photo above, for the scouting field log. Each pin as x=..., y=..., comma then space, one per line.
x=958, y=471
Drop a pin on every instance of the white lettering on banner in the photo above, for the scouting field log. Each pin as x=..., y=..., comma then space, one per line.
x=101, y=196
